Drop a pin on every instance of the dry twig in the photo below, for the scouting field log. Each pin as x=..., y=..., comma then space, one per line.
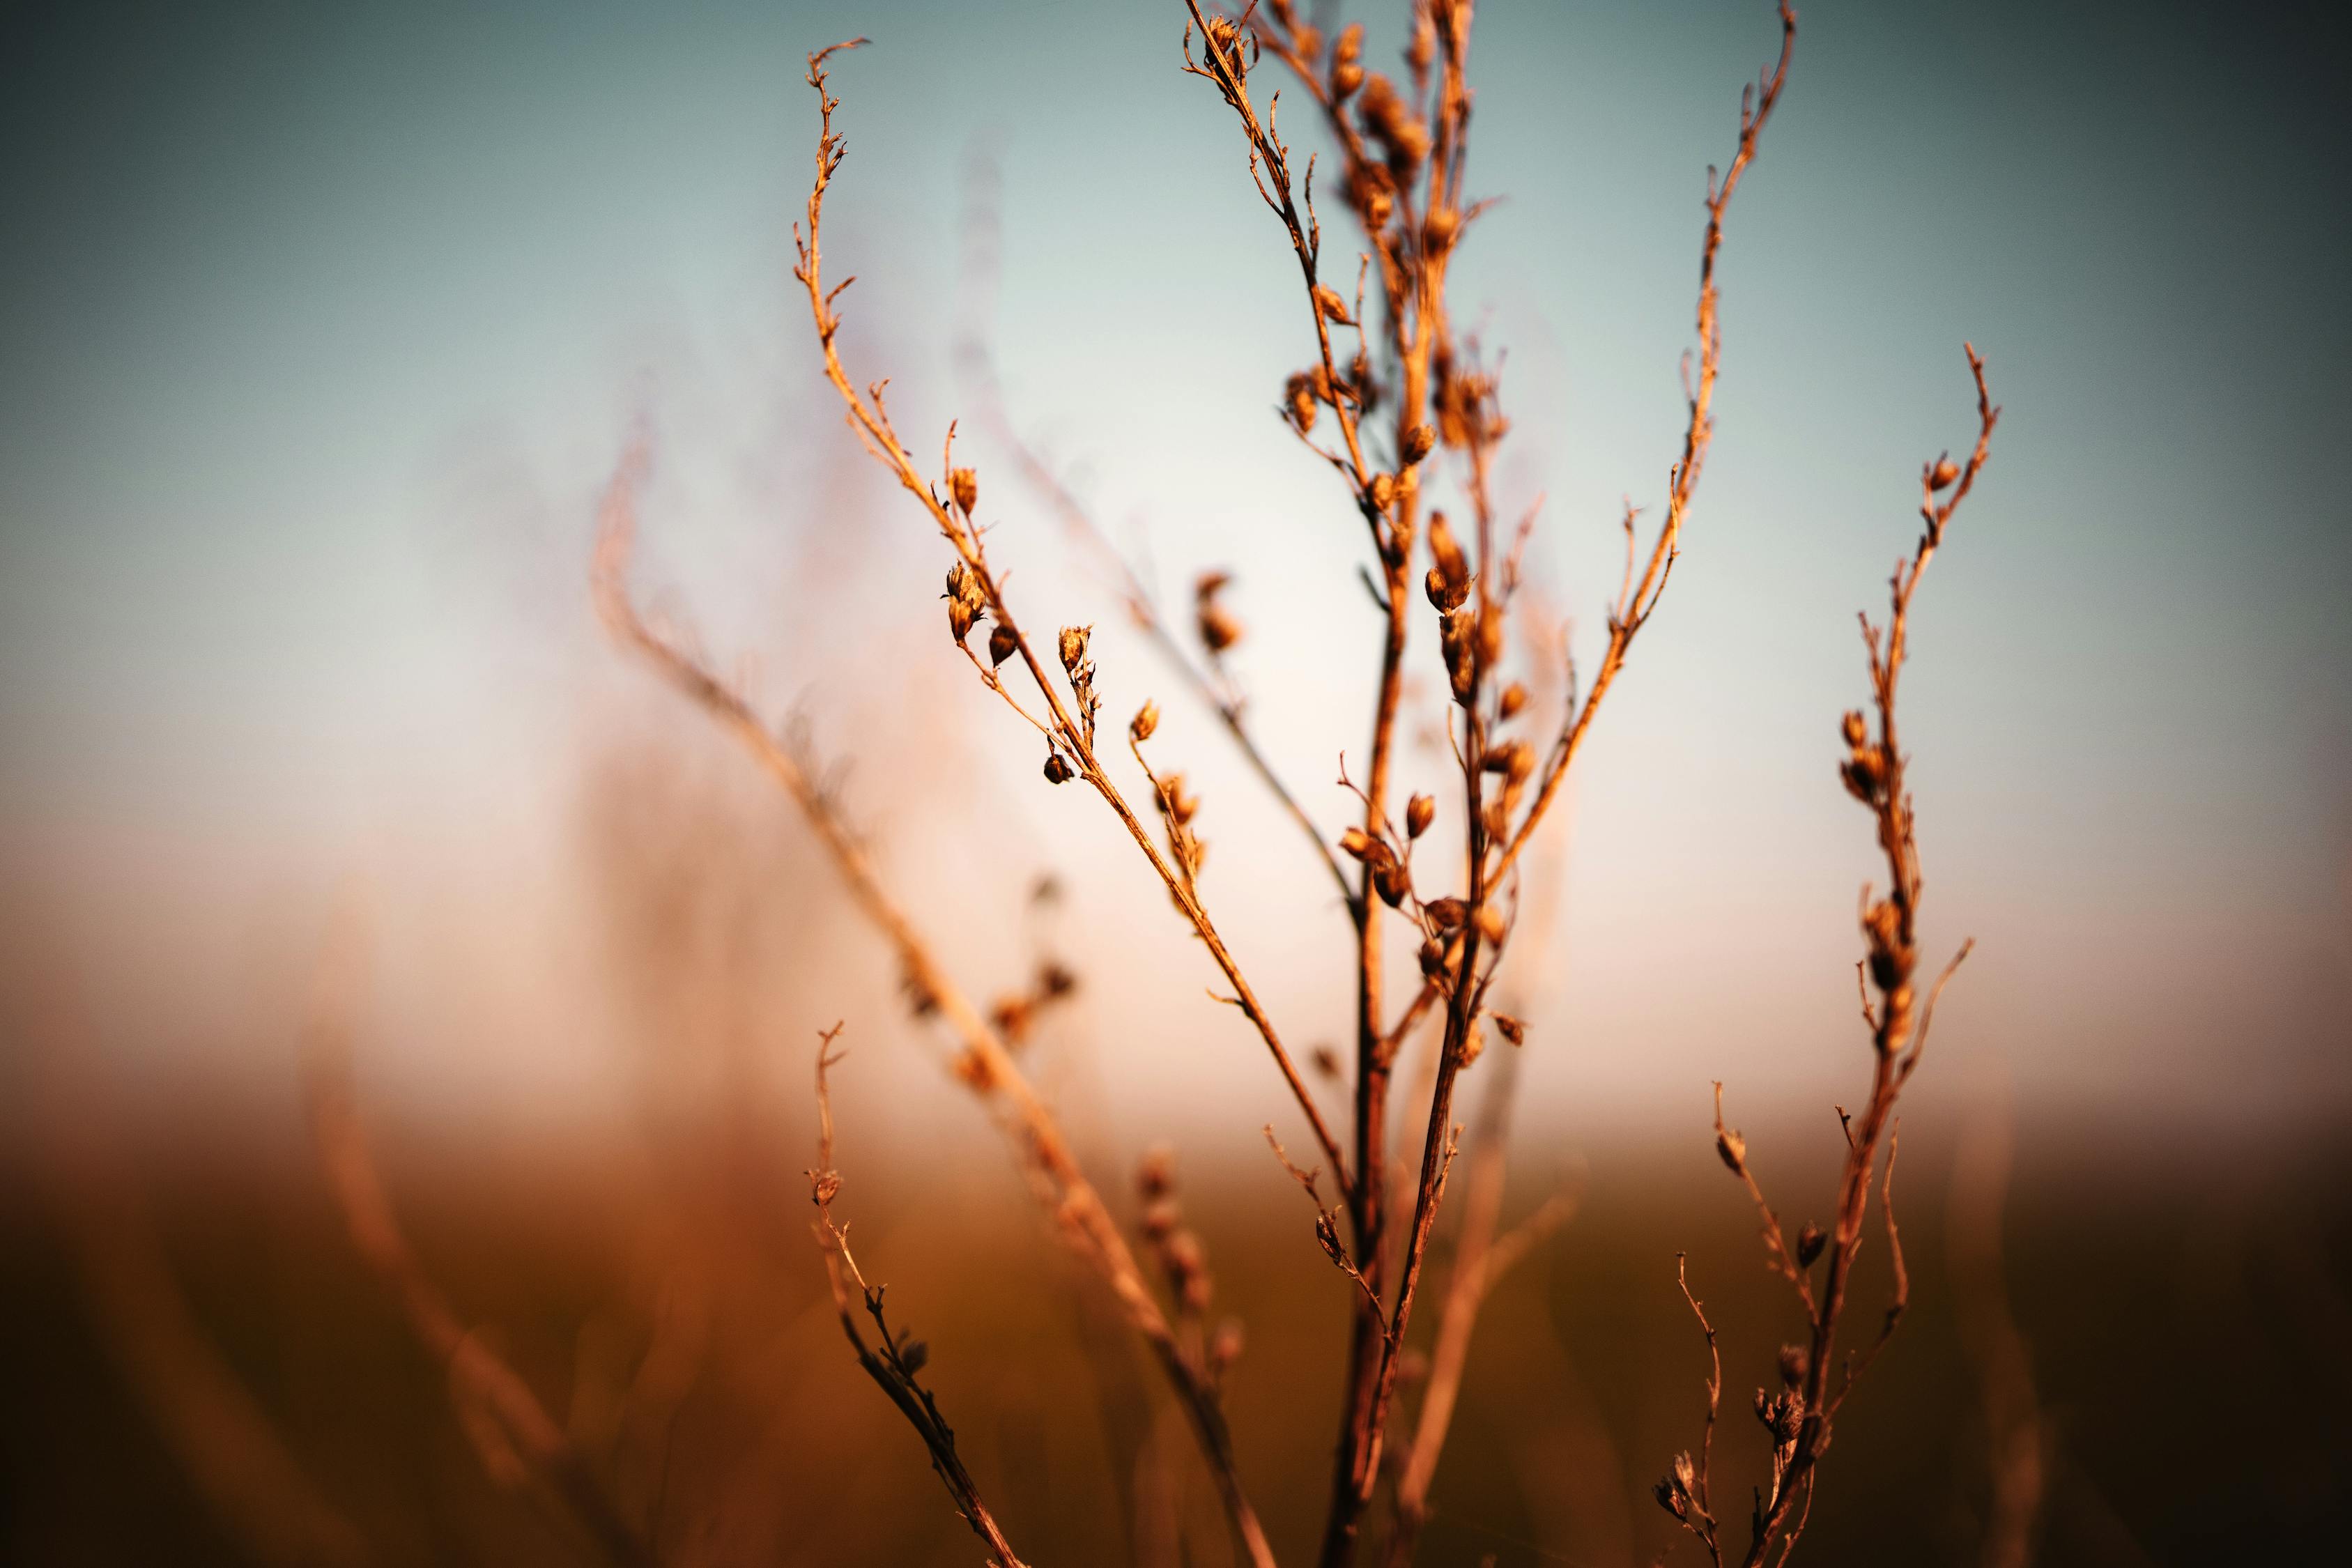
x=896, y=1366
x=1798, y=1419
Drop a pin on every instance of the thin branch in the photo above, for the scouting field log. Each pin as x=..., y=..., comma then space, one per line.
x=895, y=1366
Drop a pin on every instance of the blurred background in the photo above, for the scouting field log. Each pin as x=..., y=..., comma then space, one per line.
x=322, y=332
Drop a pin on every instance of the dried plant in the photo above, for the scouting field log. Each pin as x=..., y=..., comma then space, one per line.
x=897, y=1365
x=1407, y=412
x=1796, y=1418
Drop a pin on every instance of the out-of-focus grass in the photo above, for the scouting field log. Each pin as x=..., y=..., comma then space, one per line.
x=2190, y=1331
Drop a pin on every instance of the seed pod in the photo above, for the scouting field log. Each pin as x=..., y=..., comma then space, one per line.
x=1419, y=442
x=963, y=485
x=1669, y=1498
x=1810, y=1242
x=1299, y=402
x=1073, y=648
x=1490, y=636
x=1350, y=44
x=1355, y=842
x=1335, y=308
x=1146, y=720
x=1383, y=490
x=1734, y=1150
x=1512, y=1028
x=960, y=616
x=1515, y=698
x=1491, y=924
x=1419, y=813
x=1002, y=643
x=1474, y=1043
x=1439, y=230
x=1326, y=1062
x=1854, y=730
x=1391, y=881
x=1448, y=560
x=1941, y=475
x=1446, y=914
x=1058, y=769
x=1793, y=1360
x=1218, y=628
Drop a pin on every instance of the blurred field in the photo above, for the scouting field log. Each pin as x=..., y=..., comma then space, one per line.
x=2187, y=1321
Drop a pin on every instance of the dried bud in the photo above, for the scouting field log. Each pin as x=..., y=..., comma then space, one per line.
x=1793, y=1362
x=1459, y=645
x=1073, y=648
x=1446, y=914
x=1225, y=42
x=963, y=484
x=1383, y=490
x=823, y=1186
x=1422, y=49
x=1146, y=720
x=1349, y=44
x=1686, y=1473
x=1356, y=842
x=1419, y=442
x=1854, y=730
x=1891, y=959
x=961, y=617
x=1175, y=803
x=1941, y=475
x=1002, y=643
x=1513, y=1029
x=1514, y=760
x=1490, y=636
x=1299, y=402
x=1734, y=1150
x=1390, y=880
x=1436, y=962
x=1515, y=698
x=1218, y=628
x=1810, y=1242
x=1419, y=813
x=958, y=582
x=1328, y=300
x=1346, y=77
x=1669, y=1498
x=1439, y=230
x=1058, y=769
x=1865, y=773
